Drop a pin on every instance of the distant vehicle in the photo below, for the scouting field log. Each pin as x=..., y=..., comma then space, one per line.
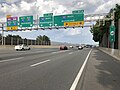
x=70, y=46
x=22, y=47
x=63, y=47
x=88, y=46
x=77, y=46
x=80, y=48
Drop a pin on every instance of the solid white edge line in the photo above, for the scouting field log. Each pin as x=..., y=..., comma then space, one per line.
x=73, y=87
x=13, y=59
x=71, y=53
x=60, y=51
x=39, y=63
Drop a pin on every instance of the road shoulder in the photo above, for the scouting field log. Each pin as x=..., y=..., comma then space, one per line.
x=101, y=73
x=107, y=51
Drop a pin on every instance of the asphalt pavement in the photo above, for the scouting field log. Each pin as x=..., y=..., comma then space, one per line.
x=54, y=69
x=102, y=72
x=40, y=69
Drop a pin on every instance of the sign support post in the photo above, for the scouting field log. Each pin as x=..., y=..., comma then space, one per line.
x=112, y=32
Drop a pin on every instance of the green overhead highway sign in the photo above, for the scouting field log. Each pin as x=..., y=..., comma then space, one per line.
x=48, y=15
x=78, y=12
x=12, y=23
x=78, y=17
x=112, y=33
x=61, y=19
x=26, y=21
x=46, y=21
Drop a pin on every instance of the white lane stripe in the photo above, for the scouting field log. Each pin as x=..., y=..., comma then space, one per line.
x=71, y=53
x=59, y=51
x=73, y=87
x=54, y=52
x=39, y=63
x=13, y=59
x=39, y=51
x=35, y=52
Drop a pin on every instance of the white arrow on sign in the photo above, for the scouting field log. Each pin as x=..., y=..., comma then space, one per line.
x=112, y=33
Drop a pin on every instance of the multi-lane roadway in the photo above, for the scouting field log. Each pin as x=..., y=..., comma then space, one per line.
x=41, y=69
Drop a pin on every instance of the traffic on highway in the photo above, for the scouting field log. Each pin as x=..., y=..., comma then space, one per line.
x=43, y=69
x=59, y=44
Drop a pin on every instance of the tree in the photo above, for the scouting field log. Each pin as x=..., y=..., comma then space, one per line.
x=99, y=31
x=117, y=12
x=43, y=39
x=39, y=38
x=13, y=39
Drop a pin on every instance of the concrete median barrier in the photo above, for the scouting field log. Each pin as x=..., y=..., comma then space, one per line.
x=37, y=46
x=6, y=47
x=11, y=47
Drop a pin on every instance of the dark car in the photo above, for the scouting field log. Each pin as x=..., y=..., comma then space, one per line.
x=63, y=48
x=88, y=46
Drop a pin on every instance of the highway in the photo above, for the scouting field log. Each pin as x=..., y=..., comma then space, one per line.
x=40, y=69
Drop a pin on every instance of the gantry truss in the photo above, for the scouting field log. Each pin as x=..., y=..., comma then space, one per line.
x=87, y=18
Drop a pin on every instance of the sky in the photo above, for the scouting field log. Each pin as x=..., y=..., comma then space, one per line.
x=57, y=7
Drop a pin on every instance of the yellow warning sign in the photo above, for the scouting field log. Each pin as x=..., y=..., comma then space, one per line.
x=80, y=23
x=12, y=28
x=8, y=16
x=8, y=28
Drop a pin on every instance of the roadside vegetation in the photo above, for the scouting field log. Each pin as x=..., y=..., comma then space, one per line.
x=16, y=39
x=102, y=28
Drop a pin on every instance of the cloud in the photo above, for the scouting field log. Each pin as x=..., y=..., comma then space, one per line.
x=72, y=32
x=34, y=7
x=25, y=6
x=105, y=7
x=40, y=7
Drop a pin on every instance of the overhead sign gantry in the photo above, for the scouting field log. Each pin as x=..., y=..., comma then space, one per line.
x=47, y=21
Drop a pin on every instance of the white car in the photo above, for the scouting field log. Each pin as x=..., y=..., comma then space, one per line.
x=70, y=46
x=22, y=47
x=80, y=48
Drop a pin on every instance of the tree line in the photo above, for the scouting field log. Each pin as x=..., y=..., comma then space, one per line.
x=16, y=39
x=102, y=32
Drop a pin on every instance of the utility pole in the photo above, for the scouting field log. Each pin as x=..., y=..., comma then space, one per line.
x=2, y=34
x=27, y=41
x=17, y=41
x=11, y=40
x=23, y=41
x=31, y=41
x=37, y=21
